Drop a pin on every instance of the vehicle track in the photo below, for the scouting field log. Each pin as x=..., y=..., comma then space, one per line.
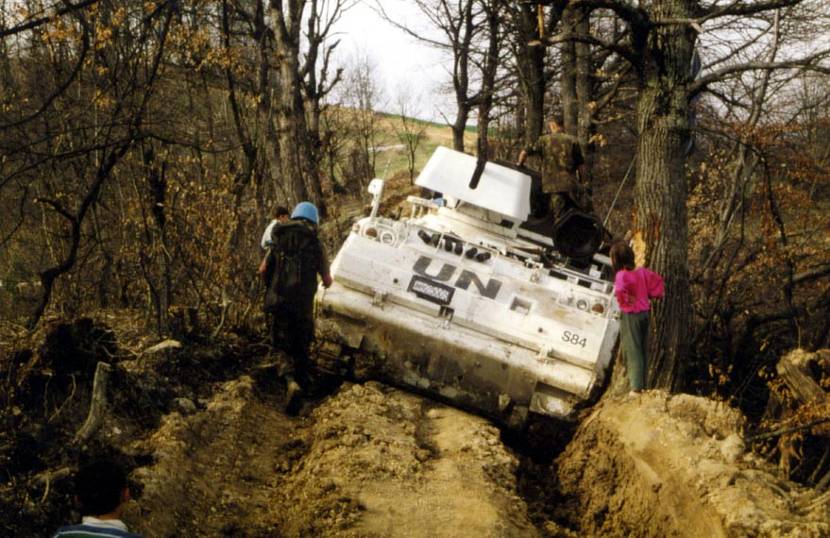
x=366, y=461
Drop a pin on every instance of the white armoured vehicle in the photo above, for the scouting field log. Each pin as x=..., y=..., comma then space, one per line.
x=463, y=300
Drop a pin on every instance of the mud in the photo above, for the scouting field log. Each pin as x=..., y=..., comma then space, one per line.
x=211, y=453
x=368, y=461
x=214, y=472
x=663, y=465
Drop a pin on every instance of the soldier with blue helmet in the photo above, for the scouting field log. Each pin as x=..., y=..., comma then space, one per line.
x=294, y=260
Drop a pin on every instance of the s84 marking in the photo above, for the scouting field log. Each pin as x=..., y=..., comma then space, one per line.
x=574, y=339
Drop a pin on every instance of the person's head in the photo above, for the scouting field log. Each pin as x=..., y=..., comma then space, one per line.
x=282, y=214
x=622, y=256
x=101, y=488
x=306, y=211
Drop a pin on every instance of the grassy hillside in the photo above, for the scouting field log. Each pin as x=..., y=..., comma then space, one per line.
x=392, y=157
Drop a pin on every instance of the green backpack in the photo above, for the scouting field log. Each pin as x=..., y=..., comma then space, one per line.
x=296, y=257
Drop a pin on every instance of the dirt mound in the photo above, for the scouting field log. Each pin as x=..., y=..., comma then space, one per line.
x=203, y=432
x=215, y=471
x=662, y=465
x=369, y=461
x=386, y=463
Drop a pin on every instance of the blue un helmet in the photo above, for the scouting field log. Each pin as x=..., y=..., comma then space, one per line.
x=307, y=211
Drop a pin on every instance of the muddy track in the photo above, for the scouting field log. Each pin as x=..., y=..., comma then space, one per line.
x=215, y=472
x=206, y=439
x=370, y=460
x=367, y=461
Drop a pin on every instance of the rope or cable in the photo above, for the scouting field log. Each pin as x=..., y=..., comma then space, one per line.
x=619, y=190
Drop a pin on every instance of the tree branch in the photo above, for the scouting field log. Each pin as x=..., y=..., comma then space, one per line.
x=624, y=52
x=784, y=431
x=625, y=11
x=34, y=23
x=805, y=64
x=58, y=207
x=741, y=9
x=812, y=274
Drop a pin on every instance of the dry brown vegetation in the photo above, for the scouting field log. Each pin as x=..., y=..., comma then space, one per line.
x=144, y=145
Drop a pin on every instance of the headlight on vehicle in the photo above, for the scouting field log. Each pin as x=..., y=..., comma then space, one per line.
x=371, y=232
x=387, y=237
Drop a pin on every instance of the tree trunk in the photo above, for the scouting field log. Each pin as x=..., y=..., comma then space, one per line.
x=488, y=77
x=298, y=166
x=313, y=158
x=576, y=95
x=459, y=126
x=567, y=79
x=272, y=188
x=531, y=62
x=160, y=263
x=462, y=40
x=291, y=119
x=663, y=126
x=584, y=120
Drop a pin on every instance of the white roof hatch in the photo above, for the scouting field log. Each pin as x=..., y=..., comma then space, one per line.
x=500, y=188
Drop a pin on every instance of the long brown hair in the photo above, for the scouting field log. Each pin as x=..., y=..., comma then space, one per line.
x=622, y=256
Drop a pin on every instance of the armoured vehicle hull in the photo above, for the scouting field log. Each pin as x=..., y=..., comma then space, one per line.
x=461, y=302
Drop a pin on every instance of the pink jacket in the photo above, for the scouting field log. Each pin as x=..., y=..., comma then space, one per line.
x=634, y=289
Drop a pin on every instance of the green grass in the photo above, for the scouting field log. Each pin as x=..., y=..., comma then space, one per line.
x=394, y=163
x=428, y=123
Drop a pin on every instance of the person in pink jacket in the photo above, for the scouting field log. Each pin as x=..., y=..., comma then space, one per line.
x=634, y=288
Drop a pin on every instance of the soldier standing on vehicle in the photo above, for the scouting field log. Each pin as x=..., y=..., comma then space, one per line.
x=295, y=259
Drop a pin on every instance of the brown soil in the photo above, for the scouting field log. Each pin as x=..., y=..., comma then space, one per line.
x=213, y=454
x=368, y=461
x=662, y=465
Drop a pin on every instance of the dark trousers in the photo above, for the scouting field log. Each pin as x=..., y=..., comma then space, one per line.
x=634, y=336
x=292, y=332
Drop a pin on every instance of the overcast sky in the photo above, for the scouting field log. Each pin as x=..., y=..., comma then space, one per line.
x=402, y=61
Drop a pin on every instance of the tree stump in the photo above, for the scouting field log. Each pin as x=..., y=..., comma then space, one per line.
x=97, y=404
x=802, y=371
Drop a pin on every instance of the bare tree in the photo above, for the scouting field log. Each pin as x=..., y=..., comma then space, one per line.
x=527, y=25
x=362, y=95
x=318, y=81
x=493, y=15
x=660, y=46
x=460, y=26
x=301, y=83
x=409, y=130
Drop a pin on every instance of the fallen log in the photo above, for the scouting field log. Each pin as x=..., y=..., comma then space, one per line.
x=798, y=369
x=802, y=372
